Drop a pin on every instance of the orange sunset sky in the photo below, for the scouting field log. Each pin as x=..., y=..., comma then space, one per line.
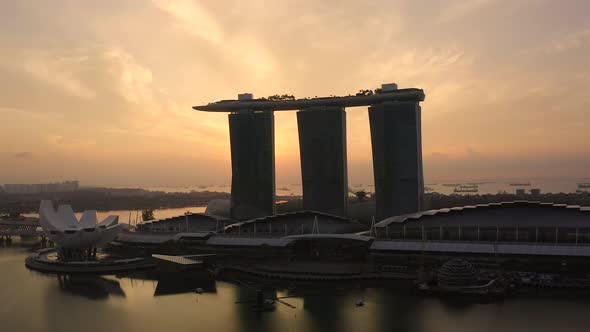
x=101, y=91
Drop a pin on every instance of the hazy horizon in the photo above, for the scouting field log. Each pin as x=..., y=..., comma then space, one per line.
x=102, y=91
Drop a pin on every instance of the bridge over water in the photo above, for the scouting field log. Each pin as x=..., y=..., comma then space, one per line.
x=21, y=228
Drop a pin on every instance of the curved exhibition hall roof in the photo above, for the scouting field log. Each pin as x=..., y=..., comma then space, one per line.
x=511, y=214
x=196, y=222
x=327, y=223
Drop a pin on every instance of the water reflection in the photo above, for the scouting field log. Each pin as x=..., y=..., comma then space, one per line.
x=74, y=304
x=193, y=283
x=90, y=287
x=33, y=301
x=326, y=312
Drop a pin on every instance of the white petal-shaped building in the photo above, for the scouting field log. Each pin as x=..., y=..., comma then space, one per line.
x=70, y=234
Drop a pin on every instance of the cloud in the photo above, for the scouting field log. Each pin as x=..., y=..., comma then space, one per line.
x=568, y=42
x=22, y=155
x=101, y=89
x=133, y=80
x=72, y=144
x=252, y=58
x=61, y=71
x=88, y=71
x=415, y=64
x=457, y=9
x=192, y=17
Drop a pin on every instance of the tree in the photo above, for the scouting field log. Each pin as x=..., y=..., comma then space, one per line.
x=284, y=97
x=364, y=93
x=361, y=195
x=147, y=215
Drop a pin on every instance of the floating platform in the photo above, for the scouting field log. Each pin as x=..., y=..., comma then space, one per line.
x=292, y=276
x=188, y=263
x=487, y=293
x=41, y=262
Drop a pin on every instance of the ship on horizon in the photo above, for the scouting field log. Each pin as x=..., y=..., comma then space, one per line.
x=519, y=184
x=466, y=188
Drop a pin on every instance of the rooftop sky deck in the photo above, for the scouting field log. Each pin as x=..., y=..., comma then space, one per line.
x=415, y=95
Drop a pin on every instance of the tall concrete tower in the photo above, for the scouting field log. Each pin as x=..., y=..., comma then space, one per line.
x=322, y=146
x=394, y=116
x=253, y=164
x=396, y=140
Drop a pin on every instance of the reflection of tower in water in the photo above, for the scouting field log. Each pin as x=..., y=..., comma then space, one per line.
x=249, y=302
x=397, y=309
x=326, y=310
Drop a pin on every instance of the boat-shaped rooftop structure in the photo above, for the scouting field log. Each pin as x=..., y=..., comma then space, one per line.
x=263, y=104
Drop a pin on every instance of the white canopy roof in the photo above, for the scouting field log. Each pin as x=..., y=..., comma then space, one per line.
x=63, y=227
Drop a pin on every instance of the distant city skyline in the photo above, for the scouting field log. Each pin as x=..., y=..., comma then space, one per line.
x=102, y=92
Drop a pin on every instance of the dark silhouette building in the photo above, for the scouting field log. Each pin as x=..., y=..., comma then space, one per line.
x=253, y=164
x=397, y=158
x=396, y=142
x=322, y=145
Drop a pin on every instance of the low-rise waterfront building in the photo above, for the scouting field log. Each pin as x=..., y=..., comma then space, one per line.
x=513, y=235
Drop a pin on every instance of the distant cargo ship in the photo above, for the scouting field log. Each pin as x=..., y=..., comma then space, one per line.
x=585, y=185
x=466, y=190
x=451, y=184
x=519, y=184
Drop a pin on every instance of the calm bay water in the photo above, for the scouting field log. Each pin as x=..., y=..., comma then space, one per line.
x=30, y=301
x=565, y=185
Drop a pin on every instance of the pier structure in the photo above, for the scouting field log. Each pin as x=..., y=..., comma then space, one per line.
x=395, y=122
x=21, y=228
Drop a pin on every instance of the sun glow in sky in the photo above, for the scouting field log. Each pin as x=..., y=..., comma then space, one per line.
x=101, y=91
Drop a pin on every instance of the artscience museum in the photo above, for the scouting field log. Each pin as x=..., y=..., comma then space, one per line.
x=77, y=239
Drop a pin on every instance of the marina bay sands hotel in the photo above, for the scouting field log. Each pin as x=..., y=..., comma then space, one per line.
x=395, y=122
